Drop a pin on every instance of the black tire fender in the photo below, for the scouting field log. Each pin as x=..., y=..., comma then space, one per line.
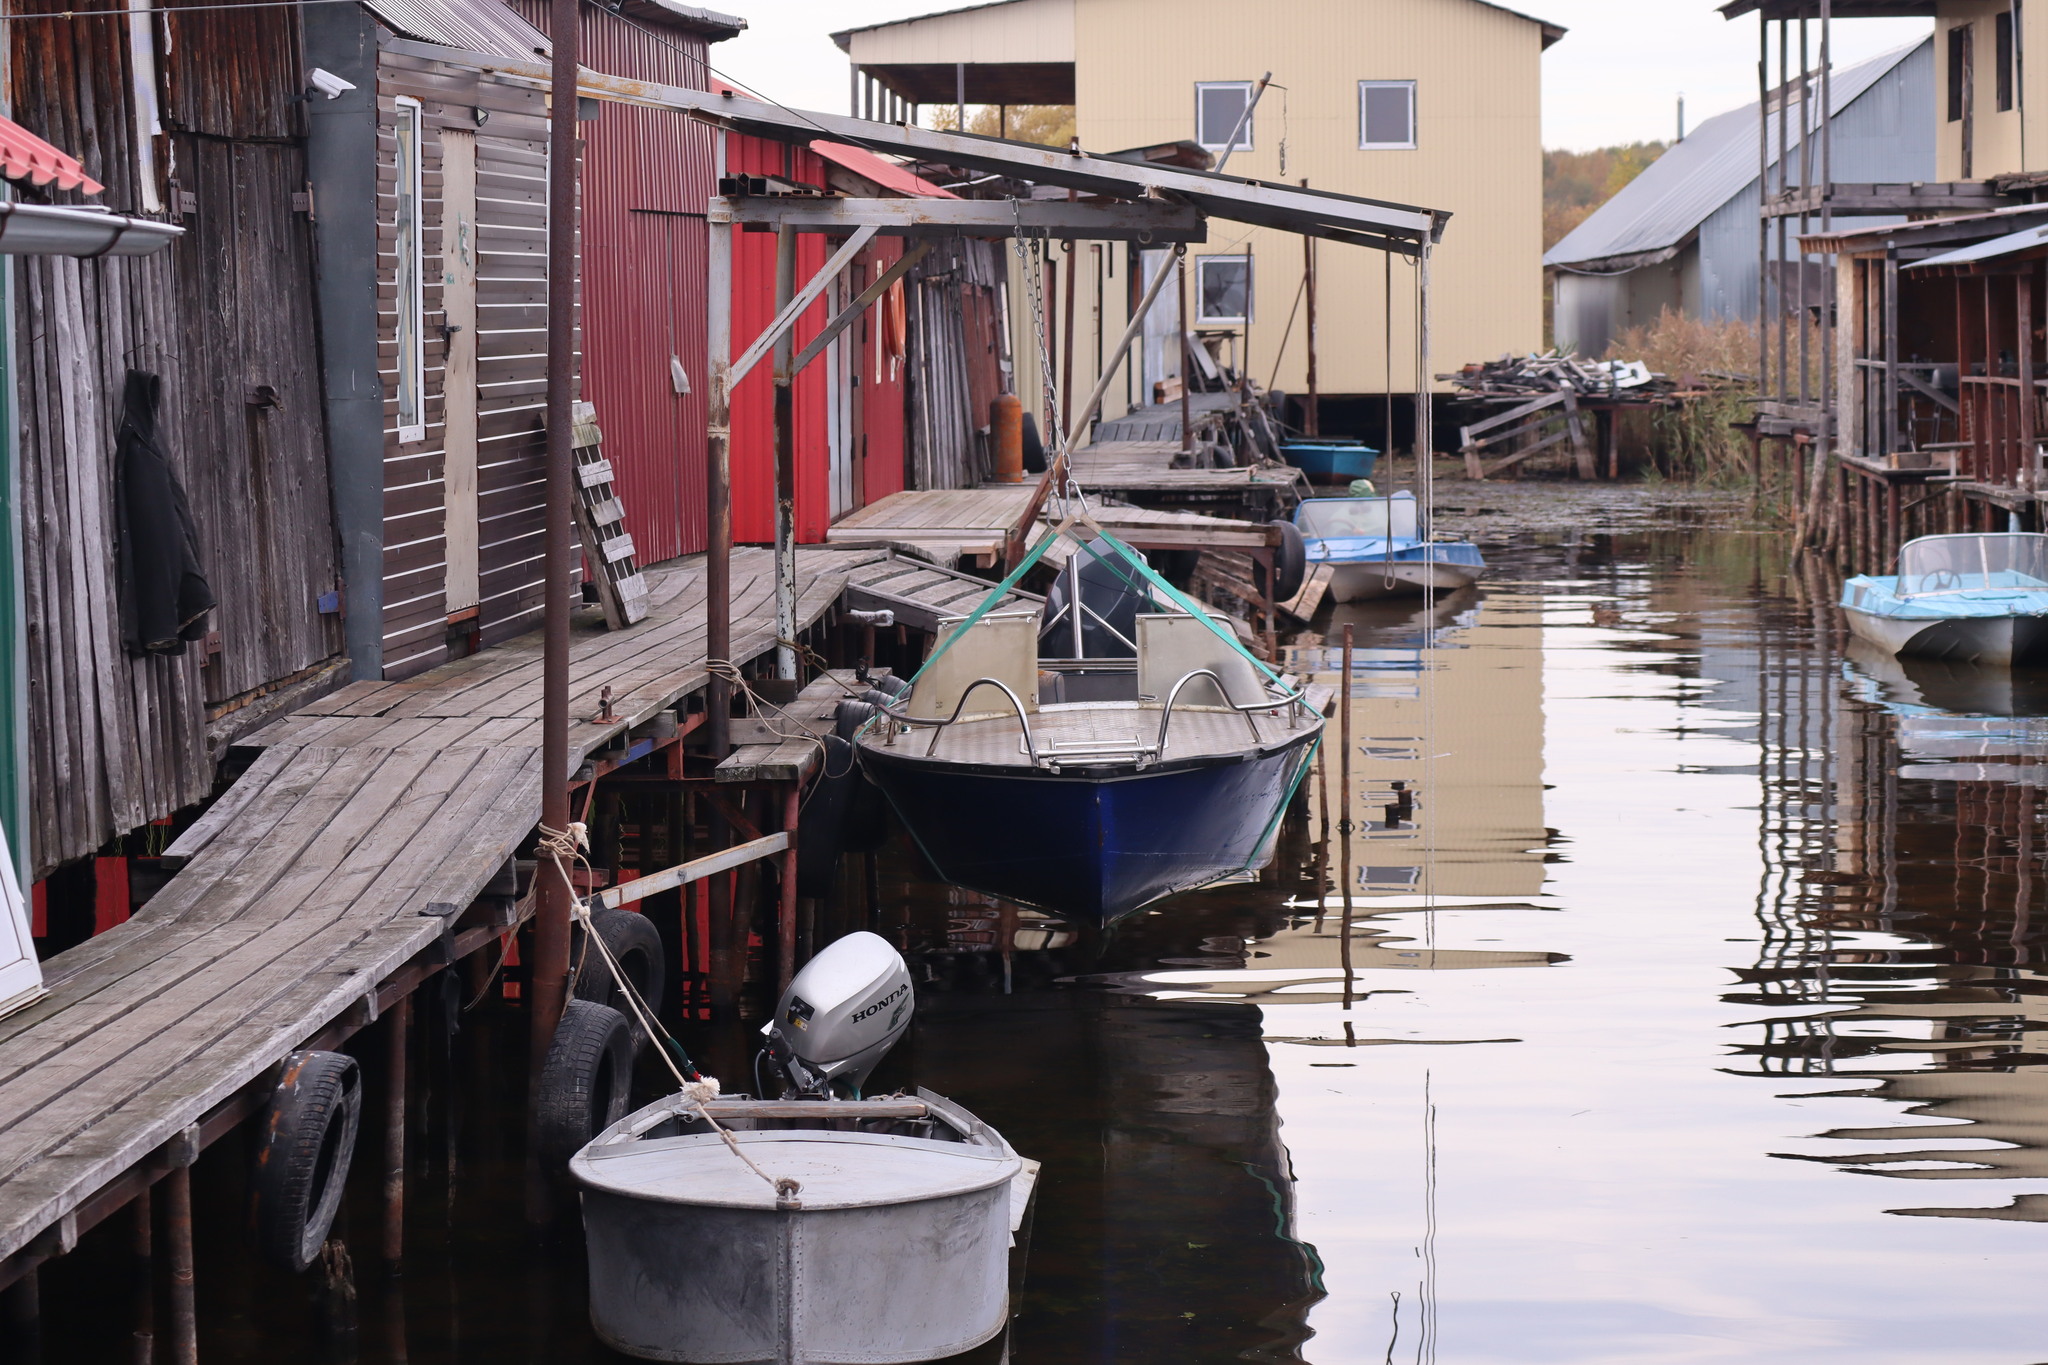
x=585, y=1083
x=636, y=944
x=303, y=1147
x=1290, y=563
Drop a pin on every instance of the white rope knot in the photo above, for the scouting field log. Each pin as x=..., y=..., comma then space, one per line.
x=569, y=843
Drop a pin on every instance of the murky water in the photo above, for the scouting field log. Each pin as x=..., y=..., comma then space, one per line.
x=1689, y=1020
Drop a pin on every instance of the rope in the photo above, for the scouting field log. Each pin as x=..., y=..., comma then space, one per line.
x=695, y=1087
x=759, y=708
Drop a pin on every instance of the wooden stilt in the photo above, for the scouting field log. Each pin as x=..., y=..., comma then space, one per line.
x=1344, y=810
x=142, y=1281
x=178, y=1228
x=785, y=919
x=397, y=1038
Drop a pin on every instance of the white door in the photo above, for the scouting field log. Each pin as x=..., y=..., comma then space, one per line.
x=458, y=393
x=21, y=980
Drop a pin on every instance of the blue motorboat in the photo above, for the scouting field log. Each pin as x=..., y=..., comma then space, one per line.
x=1329, y=460
x=1978, y=598
x=1378, y=547
x=1118, y=748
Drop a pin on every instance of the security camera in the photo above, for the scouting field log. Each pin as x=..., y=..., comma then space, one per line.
x=329, y=84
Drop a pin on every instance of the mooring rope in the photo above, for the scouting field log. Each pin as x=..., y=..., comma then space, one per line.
x=697, y=1088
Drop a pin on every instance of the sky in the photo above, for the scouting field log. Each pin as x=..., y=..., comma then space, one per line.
x=1615, y=77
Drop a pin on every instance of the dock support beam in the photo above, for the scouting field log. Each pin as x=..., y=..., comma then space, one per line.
x=143, y=1286
x=785, y=917
x=785, y=461
x=178, y=1225
x=397, y=1037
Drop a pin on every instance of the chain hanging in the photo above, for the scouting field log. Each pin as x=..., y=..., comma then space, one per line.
x=1032, y=263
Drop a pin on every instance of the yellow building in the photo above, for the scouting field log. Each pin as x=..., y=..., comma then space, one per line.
x=1431, y=102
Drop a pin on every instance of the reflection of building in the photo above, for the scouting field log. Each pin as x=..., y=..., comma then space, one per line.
x=1466, y=736
x=1906, y=926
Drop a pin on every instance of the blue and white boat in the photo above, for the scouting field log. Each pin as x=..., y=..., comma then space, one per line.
x=1122, y=747
x=1378, y=547
x=1977, y=598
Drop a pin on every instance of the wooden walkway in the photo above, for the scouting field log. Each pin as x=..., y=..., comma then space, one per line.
x=372, y=817
x=1144, y=473
x=1161, y=421
x=949, y=525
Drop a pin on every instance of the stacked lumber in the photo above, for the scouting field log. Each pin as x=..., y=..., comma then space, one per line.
x=1514, y=376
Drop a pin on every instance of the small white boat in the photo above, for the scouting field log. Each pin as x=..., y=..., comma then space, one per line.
x=1377, y=547
x=818, y=1227
x=1978, y=598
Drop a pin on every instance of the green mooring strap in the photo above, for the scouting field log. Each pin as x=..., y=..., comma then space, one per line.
x=1130, y=556
x=988, y=603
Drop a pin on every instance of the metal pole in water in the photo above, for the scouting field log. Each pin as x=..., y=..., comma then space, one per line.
x=1344, y=809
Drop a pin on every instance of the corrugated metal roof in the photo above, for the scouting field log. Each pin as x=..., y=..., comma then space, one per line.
x=888, y=174
x=1657, y=212
x=844, y=37
x=485, y=26
x=2013, y=242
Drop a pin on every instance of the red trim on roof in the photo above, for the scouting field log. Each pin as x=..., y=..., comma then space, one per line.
x=24, y=156
x=882, y=171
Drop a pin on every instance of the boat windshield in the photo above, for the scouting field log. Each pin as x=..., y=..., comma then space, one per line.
x=1329, y=518
x=1972, y=563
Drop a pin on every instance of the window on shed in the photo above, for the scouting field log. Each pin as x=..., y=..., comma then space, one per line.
x=1958, y=72
x=408, y=245
x=1386, y=114
x=2002, y=33
x=1218, y=107
x=1223, y=289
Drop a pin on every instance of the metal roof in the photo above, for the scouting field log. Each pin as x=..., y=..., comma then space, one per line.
x=1930, y=232
x=1551, y=32
x=485, y=26
x=2025, y=239
x=1656, y=214
x=713, y=25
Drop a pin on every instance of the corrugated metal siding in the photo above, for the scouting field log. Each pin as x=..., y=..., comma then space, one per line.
x=753, y=413
x=471, y=25
x=231, y=73
x=881, y=383
x=646, y=177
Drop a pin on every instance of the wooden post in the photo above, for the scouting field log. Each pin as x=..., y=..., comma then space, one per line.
x=548, y=979
x=785, y=919
x=178, y=1225
x=142, y=1267
x=1344, y=810
x=397, y=1037
x=1323, y=845
x=785, y=461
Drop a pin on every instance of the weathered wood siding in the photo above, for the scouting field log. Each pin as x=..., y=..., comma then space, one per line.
x=511, y=317
x=225, y=318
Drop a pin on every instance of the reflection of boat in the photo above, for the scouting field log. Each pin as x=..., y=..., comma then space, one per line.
x=1956, y=722
x=1113, y=754
x=1377, y=547
x=1326, y=460
x=1979, y=598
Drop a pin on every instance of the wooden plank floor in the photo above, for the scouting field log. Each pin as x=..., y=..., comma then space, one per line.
x=310, y=882
x=948, y=524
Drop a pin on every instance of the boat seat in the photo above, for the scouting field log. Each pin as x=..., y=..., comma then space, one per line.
x=1001, y=645
x=1172, y=645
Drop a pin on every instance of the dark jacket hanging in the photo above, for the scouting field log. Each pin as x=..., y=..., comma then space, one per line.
x=164, y=596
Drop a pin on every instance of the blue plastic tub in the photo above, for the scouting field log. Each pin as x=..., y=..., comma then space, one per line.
x=1331, y=461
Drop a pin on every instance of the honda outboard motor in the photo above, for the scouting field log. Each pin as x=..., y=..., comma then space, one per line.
x=840, y=1016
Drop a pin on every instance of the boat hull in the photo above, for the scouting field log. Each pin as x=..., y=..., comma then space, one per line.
x=1094, y=847
x=1998, y=641
x=1367, y=582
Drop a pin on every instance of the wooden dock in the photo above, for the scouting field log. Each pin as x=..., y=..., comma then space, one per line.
x=336, y=864
x=949, y=525
x=1146, y=474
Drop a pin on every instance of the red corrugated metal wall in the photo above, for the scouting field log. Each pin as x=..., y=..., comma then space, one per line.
x=882, y=390
x=753, y=413
x=646, y=176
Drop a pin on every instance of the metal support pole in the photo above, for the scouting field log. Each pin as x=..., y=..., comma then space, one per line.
x=785, y=461
x=1187, y=360
x=785, y=910
x=1311, y=411
x=178, y=1225
x=397, y=1036
x=548, y=981
x=960, y=96
x=1067, y=342
x=1344, y=809
x=718, y=476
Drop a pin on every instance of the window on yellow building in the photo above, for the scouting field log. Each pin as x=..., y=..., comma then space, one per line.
x=1386, y=114
x=2003, y=35
x=1223, y=289
x=1218, y=107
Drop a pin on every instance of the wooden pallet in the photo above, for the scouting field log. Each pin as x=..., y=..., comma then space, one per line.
x=1531, y=427
x=601, y=518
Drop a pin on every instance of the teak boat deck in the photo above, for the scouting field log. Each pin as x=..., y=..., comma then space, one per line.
x=1077, y=729
x=372, y=818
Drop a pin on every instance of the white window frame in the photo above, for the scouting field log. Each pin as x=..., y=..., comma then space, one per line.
x=1363, y=144
x=1202, y=315
x=1244, y=143
x=409, y=246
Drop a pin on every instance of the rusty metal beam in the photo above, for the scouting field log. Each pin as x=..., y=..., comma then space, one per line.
x=1154, y=223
